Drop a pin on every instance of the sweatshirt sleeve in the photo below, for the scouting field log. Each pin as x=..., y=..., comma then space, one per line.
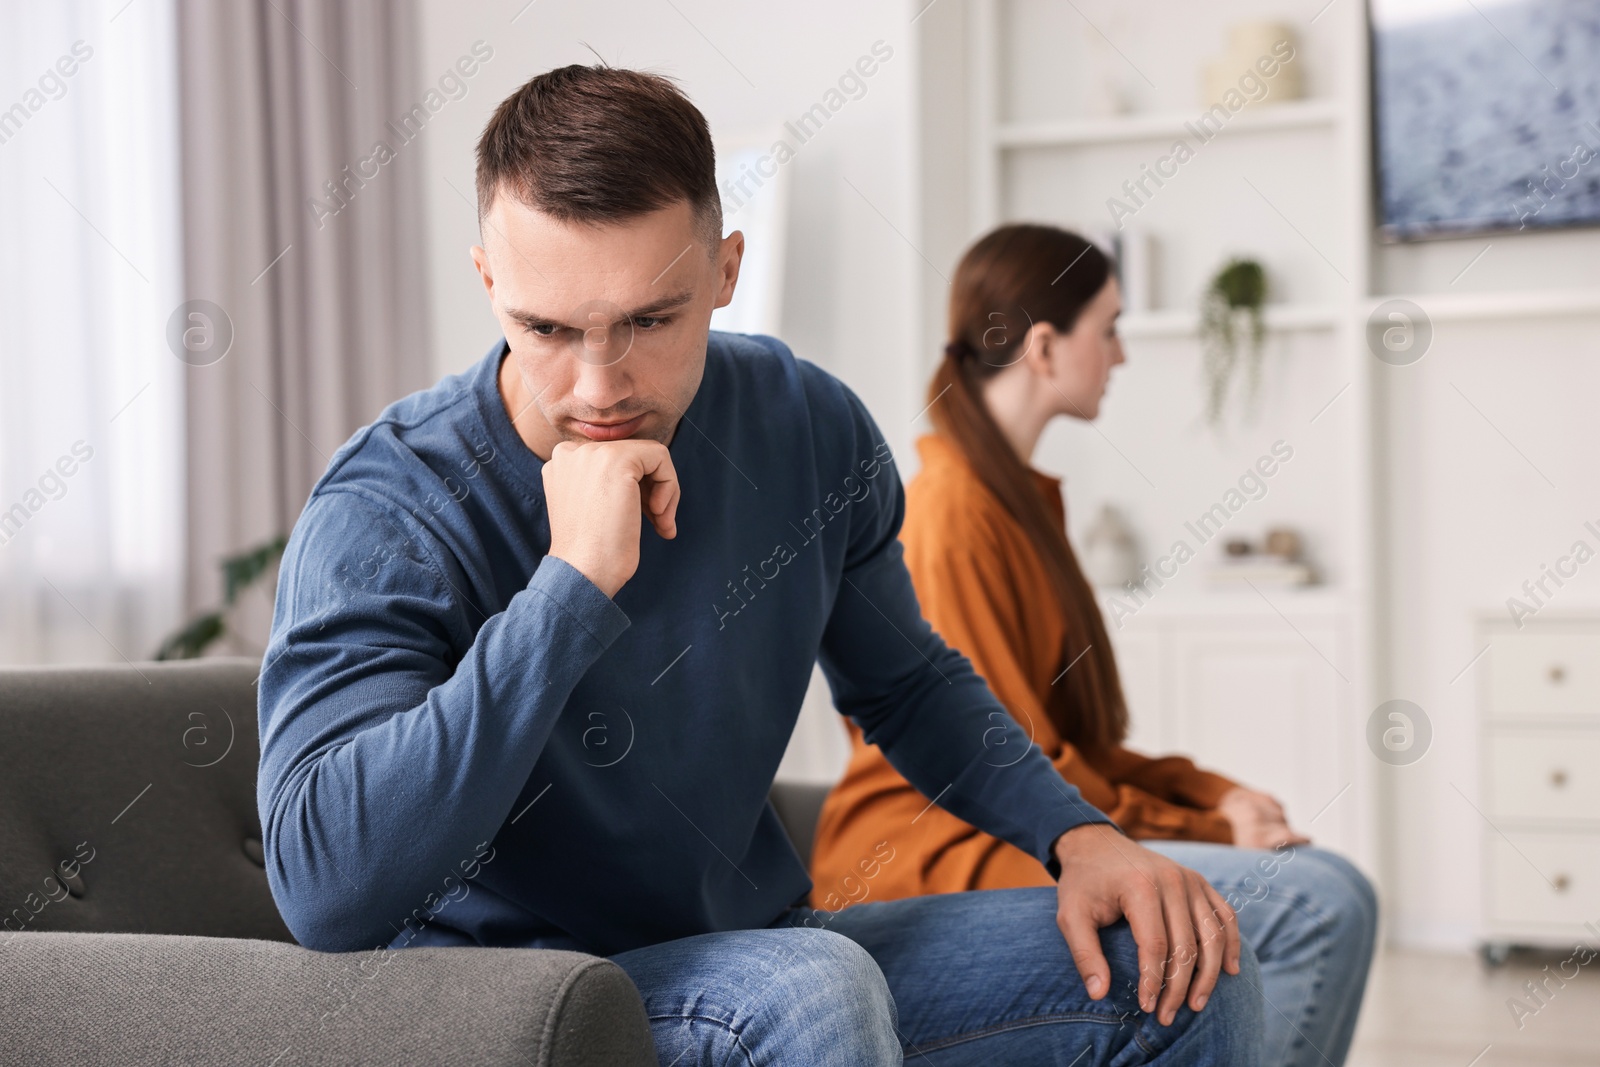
x=393, y=741
x=1171, y=778
x=919, y=700
x=976, y=603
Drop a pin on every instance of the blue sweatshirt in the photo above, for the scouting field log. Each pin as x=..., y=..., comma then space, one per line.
x=465, y=742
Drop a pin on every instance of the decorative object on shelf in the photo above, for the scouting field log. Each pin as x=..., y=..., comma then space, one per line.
x=1107, y=87
x=1284, y=543
x=1136, y=270
x=238, y=573
x=1110, y=554
x=1249, y=44
x=1231, y=321
x=1275, y=562
x=1133, y=251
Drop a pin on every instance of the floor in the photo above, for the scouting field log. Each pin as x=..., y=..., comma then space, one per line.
x=1434, y=1010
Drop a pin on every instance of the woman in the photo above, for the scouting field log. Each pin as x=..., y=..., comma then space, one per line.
x=1033, y=336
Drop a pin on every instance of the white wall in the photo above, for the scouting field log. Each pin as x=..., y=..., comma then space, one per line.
x=1468, y=516
x=848, y=295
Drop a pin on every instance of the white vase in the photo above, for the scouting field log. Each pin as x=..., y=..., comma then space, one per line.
x=1109, y=554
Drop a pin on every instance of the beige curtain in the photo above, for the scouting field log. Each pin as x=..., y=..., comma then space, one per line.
x=309, y=241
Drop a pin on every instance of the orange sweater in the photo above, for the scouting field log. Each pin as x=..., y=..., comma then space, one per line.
x=985, y=590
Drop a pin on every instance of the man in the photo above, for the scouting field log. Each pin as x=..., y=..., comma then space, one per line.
x=543, y=631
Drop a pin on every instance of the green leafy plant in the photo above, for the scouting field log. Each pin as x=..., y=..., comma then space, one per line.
x=238, y=574
x=1233, y=299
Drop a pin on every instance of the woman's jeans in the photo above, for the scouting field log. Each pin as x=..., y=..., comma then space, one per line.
x=986, y=978
x=1313, y=920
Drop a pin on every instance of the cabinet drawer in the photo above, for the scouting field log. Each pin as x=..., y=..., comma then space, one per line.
x=1519, y=894
x=1544, y=674
x=1545, y=775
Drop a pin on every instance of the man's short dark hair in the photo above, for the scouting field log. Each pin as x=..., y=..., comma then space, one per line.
x=600, y=145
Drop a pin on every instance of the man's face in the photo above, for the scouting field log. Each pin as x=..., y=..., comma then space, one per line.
x=606, y=324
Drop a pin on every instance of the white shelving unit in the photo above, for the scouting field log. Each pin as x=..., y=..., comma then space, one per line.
x=1176, y=322
x=1484, y=307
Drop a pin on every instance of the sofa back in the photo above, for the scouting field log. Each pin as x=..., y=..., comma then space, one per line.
x=127, y=801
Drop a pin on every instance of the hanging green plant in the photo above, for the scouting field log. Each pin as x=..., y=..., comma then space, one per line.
x=1231, y=326
x=238, y=573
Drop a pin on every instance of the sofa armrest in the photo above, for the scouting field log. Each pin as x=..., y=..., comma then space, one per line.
x=152, y=998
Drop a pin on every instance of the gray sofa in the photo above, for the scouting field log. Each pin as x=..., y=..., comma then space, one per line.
x=137, y=926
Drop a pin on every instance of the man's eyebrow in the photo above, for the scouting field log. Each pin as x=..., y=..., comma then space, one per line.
x=669, y=302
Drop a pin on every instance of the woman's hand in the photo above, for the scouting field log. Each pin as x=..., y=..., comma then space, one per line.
x=1257, y=819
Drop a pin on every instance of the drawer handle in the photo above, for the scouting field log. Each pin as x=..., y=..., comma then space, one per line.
x=1557, y=673
x=1561, y=882
x=1558, y=778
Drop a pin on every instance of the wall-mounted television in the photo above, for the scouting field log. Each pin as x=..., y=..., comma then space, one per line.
x=1485, y=115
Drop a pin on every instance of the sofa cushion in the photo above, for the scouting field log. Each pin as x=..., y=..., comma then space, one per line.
x=798, y=805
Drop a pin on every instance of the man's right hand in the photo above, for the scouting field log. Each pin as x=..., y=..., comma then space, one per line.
x=596, y=494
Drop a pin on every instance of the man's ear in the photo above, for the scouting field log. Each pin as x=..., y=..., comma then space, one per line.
x=730, y=253
x=480, y=260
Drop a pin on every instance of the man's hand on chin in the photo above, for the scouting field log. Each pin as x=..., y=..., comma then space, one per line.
x=597, y=494
x=1184, y=929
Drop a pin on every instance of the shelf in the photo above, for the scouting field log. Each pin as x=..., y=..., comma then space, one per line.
x=1159, y=126
x=1242, y=602
x=1467, y=307
x=1440, y=307
x=1177, y=322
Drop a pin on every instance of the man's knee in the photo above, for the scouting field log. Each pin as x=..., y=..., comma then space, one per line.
x=775, y=995
x=1236, y=1011
x=1239, y=995
x=1122, y=953
x=831, y=965
x=1226, y=1030
x=830, y=983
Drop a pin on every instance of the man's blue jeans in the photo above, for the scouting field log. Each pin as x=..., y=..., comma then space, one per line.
x=986, y=978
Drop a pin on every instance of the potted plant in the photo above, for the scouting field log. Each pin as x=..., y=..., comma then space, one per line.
x=238, y=573
x=1231, y=325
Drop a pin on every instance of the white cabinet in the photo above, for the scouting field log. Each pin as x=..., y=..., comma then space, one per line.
x=1539, y=736
x=1263, y=698
x=1548, y=671
x=1543, y=776
x=1259, y=702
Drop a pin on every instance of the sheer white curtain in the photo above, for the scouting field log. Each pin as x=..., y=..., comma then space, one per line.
x=91, y=395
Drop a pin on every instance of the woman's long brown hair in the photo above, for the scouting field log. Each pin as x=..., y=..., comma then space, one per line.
x=1011, y=278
